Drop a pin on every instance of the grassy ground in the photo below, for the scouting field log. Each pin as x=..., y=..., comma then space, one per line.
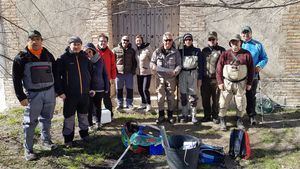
x=275, y=145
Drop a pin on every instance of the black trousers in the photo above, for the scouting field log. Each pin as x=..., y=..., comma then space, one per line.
x=251, y=99
x=95, y=103
x=210, y=92
x=143, y=82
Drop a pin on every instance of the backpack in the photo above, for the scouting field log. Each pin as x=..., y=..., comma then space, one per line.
x=239, y=145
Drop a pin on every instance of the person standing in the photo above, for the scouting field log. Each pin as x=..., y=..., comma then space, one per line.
x=110, y=64
x=126, y=67
x=190, y=77
x=100, y=84
x=33, y=69
x=260, y=59
x=166, y=62
x=234, y=76
x=75, y=72
x=209, y=89
x=143, y=57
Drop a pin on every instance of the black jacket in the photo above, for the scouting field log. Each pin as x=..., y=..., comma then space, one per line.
x=20, y=60
x=74, y=74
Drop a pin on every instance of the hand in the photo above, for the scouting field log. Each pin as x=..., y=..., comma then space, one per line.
x=153, y=69
x=92, y=93
x=199, y=83
x=172, y=73
x=257, y=69
x=221, y=87
x=62, y=96
x=112, y=82
x=24, y=102
x=248, y=87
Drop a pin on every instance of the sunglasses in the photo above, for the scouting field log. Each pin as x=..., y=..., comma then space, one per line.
x=125, y=40
x=245, y=31
x=211, y=39
x=188, y=40
x=168, y=40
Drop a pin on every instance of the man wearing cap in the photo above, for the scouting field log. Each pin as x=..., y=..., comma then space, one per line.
x=260, y=59
x=166, y=62
x=33, y=70
x=234, y=76
x=100, y=85
x=191, y=74
x=126, y=67
x=75, y=73
x=209, y=88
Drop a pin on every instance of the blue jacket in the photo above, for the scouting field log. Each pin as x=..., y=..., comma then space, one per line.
x=259, y=56
x=100, y=81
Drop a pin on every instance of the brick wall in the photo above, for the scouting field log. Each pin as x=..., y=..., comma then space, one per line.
x=12, y=45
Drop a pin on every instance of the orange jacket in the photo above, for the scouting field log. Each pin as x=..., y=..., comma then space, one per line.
x=109, y=61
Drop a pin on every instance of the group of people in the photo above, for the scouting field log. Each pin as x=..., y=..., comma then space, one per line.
x=83, y=77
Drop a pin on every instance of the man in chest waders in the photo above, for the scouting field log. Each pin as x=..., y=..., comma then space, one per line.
x=33, y=70
x=234, y=75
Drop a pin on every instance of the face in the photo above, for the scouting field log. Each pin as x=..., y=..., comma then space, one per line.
x=89, y=52
x=235, y=45
x=76, y=47
x=246, y=35
x=212, y=41
x=102, y=42
x=138, y=41
x=35, y=43
x=188, y=41
x=125, y=41
x=167, y=41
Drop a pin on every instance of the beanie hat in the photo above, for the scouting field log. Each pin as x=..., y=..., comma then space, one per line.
x=187, y=35
x=74, y=39
x=34, y=33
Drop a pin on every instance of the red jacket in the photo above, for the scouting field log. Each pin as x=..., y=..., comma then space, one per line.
x=109, y=61
x=245, y=58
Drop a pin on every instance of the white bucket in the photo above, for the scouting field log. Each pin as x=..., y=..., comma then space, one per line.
x=105, y=116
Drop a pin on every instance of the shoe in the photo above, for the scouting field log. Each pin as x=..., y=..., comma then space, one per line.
x=222, y=124
x=184, y=119
x=49, y=145
x=239, y=123
x=85, y=139
x=130, y=107
x=148, y=107
x=216, y=120
x=99, y=125
x=142, y=106
x=69, y=144
x=206, y=119
x=160, y=120
x=194, y=120
x=30, y=155
x=253, y=121
x=93, y=128
x=119, y=107
x=171, y=120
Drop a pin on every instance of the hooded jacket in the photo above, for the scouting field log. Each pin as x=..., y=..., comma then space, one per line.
x=125, y=59
x=74, y=72
x=100, y=81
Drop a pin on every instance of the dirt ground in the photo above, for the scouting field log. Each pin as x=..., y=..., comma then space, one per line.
x=274, y=143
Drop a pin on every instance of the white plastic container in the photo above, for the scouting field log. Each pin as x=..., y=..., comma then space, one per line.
x=105, y=116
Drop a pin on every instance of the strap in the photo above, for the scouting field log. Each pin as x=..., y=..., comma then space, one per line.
x=235, y=81
x=39, y=90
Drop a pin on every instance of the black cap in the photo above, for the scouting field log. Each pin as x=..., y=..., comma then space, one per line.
x=74, y=39
x=246, y=28
x=34, y=33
